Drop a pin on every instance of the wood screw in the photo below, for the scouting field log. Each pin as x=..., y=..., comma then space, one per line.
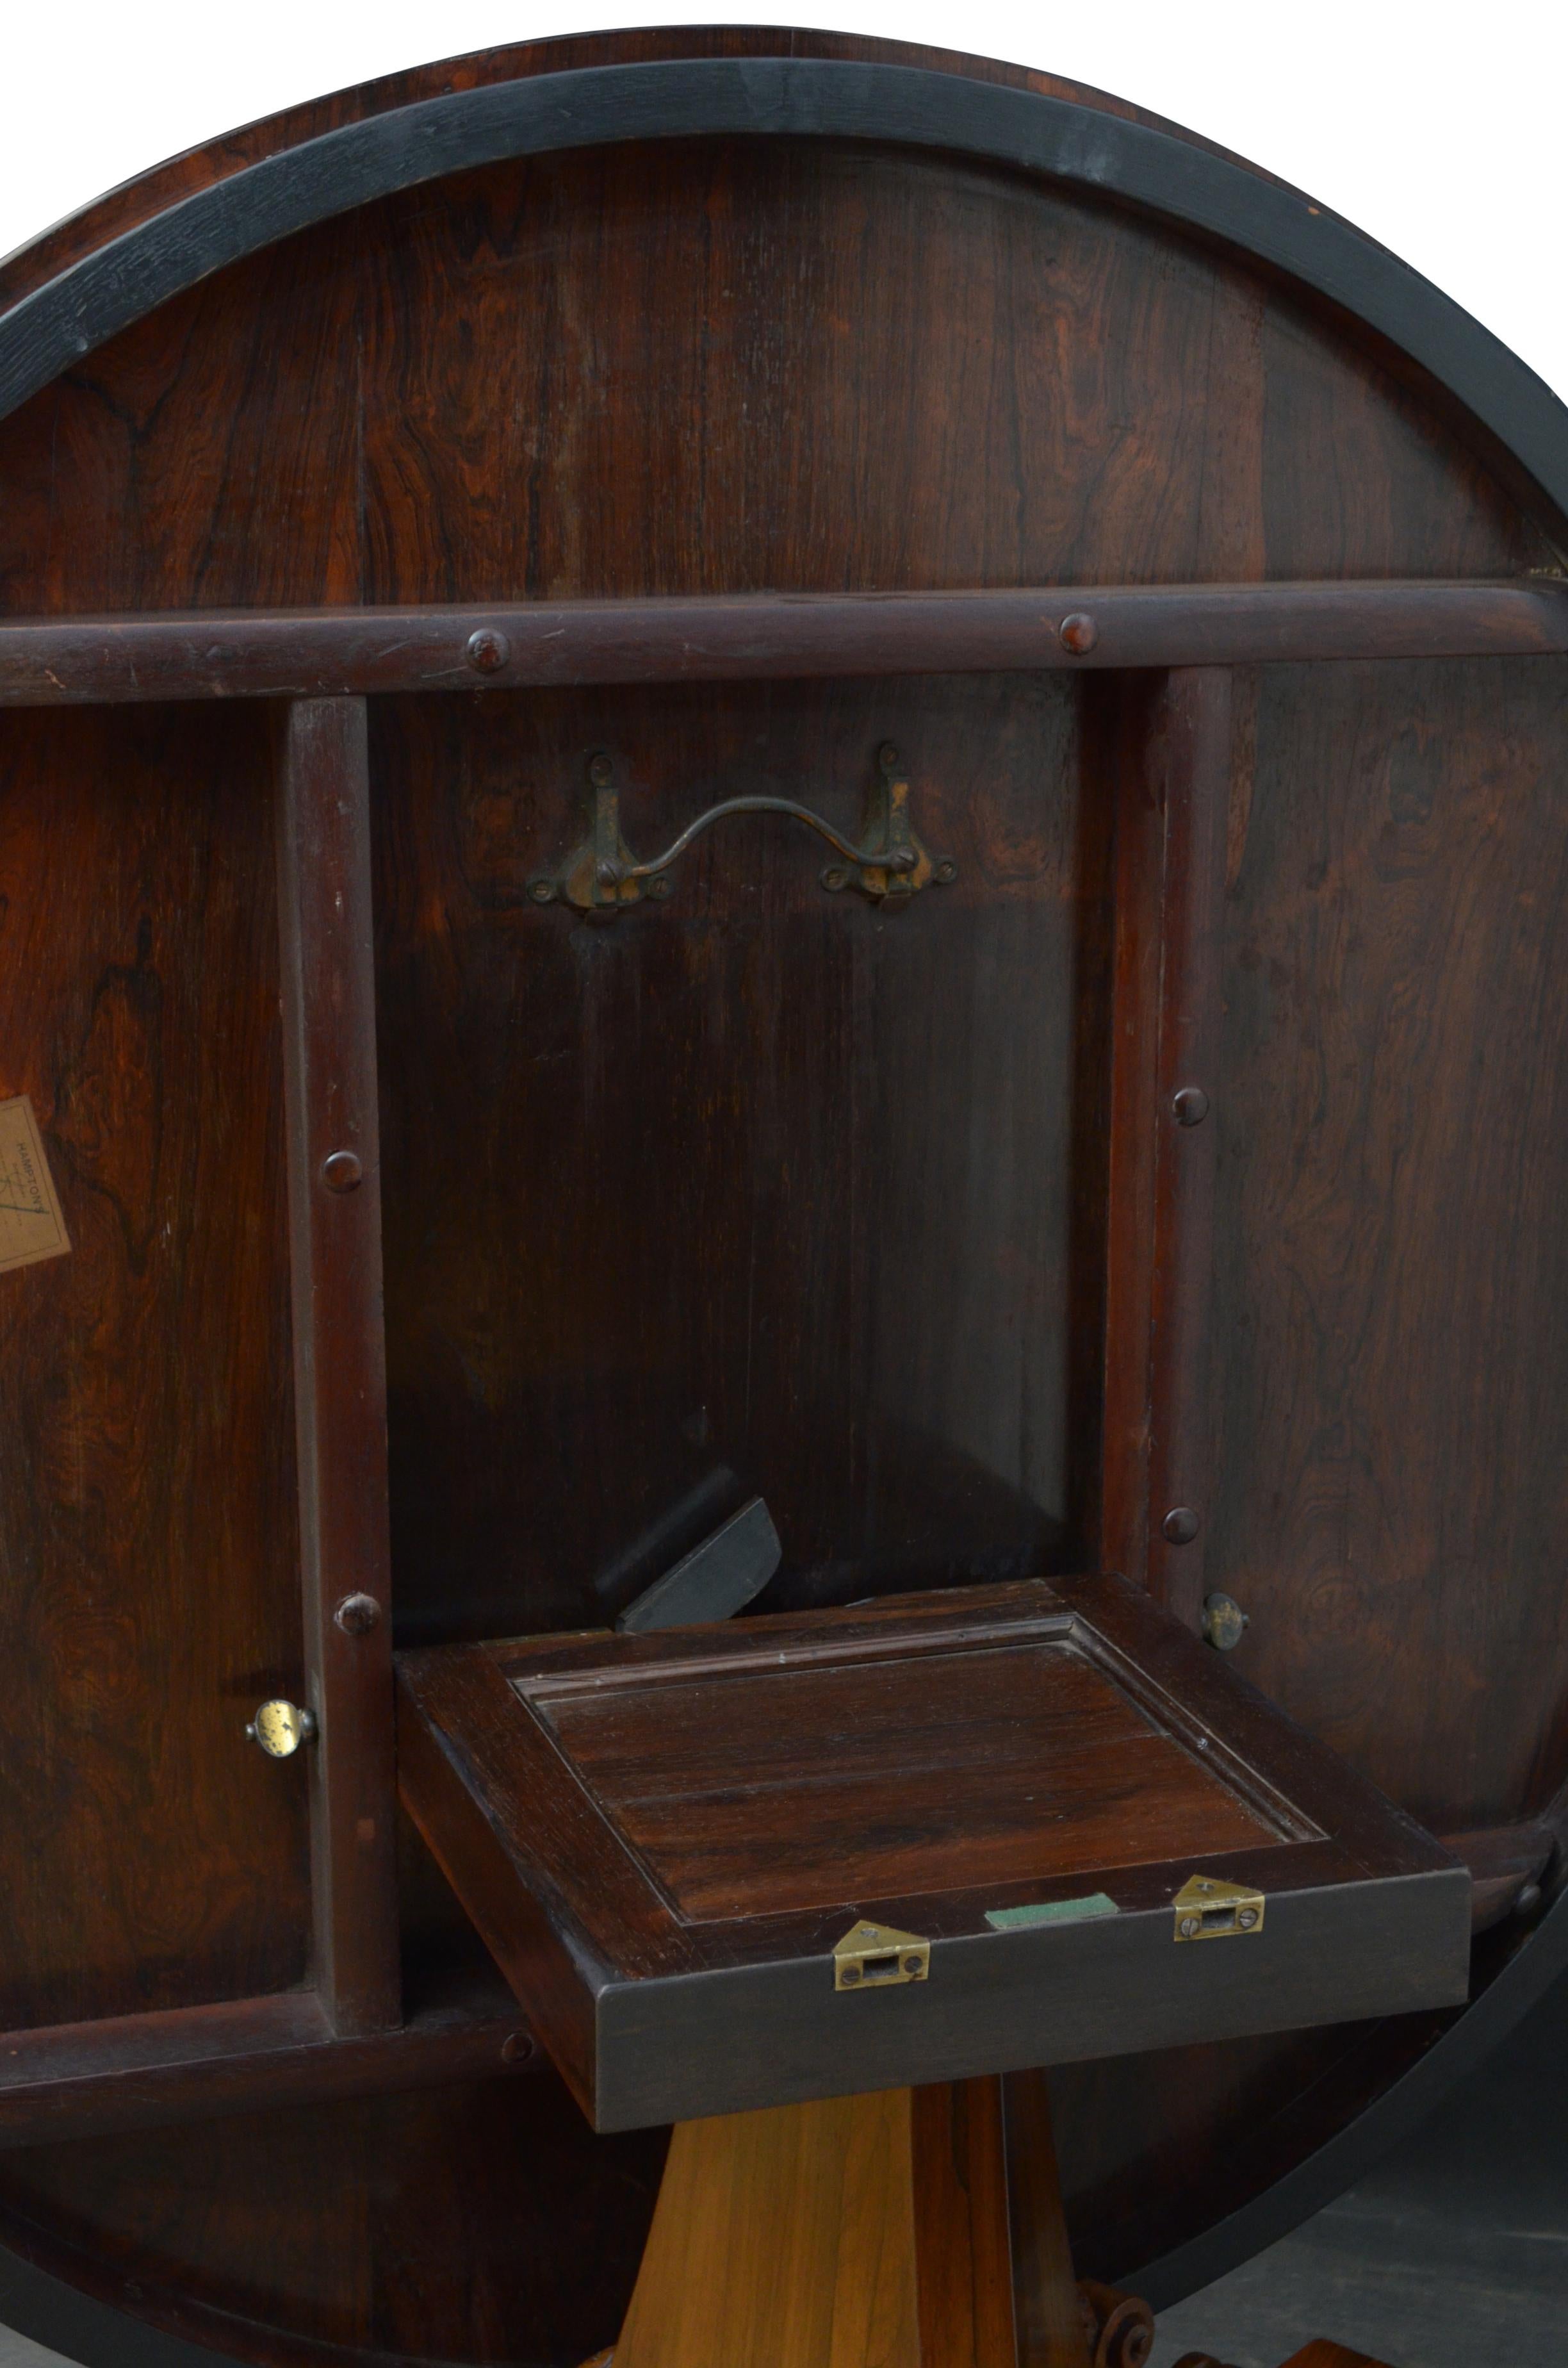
x=1180, y=1526
x=601, y=772
x=487, y=650
x=357, y=1615
x=1190, y=1104
x=341, y=1171
x=945, y=873
x=517, y=2048
x=1079, y=633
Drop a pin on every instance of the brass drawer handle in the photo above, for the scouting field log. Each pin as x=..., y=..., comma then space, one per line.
x=602, y=876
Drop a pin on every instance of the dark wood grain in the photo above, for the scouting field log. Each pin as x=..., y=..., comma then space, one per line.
x=1122, y=718
x=153, y=1859
x=334, y=1170
x=760, y=466
x=1214, y=376
x=1393, y=914
x=1507, y=1865
x=699, y=1237
x=142, y=2071
x=1167, y=749
x=1430, y=339
x=678, y=1966
x=271, y=471
x=391, y=2225
x=964, y=2246
x=844, y=371
x=312, y=653
x=757, y=1791
x=540, y=1938
x=1390, y=1125
x=86, y=2080
x=1192, y=752
x=1047, y=2320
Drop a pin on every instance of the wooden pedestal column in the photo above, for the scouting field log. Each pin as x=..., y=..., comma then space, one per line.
x=916, y=2226
x=911, y=2228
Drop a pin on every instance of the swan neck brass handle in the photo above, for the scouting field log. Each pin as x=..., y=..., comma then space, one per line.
x=602, y=876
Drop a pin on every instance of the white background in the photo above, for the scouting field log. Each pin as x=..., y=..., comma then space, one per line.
x=1438, y=129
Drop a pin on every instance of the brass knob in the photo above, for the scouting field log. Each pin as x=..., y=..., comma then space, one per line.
x=1225, y=1622
x=280, y=1727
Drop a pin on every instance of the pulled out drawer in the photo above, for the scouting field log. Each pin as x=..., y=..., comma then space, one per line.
x=921, y=1840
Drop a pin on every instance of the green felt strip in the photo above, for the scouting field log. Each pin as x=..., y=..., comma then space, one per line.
x=1051, y=1911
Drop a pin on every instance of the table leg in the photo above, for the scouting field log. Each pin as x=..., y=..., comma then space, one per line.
x=911, y=2226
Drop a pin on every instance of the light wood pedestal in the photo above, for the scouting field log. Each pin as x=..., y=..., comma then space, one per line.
x=910, y=2228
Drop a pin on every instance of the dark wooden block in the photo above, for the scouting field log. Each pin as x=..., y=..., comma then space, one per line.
x=663, y=1839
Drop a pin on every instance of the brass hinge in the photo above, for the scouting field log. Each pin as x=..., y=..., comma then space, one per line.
x=1208, y=1909
x=873, y=1956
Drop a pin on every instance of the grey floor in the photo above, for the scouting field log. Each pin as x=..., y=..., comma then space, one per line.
x=1453, y=2255
x=15, y=2352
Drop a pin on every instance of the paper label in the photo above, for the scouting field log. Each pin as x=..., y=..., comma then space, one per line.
x=32, y=1226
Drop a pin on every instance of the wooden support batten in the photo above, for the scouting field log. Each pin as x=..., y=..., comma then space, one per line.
x=317, y=653
x=335, y=1234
